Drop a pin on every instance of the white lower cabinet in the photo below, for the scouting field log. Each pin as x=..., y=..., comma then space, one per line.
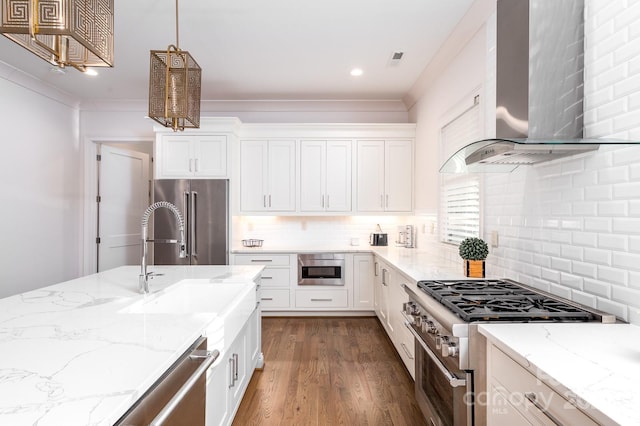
x=389, y=296
x=322, y=299
x=277, y=277
x=517, y=397
x=363, y=281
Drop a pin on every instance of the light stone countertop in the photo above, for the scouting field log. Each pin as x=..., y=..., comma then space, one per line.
x=69, y=355
x=598, y=365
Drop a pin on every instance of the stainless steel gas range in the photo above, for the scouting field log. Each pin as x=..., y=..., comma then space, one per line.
x=450, y=353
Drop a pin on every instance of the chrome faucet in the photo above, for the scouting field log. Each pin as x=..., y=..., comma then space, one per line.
x=144, y=275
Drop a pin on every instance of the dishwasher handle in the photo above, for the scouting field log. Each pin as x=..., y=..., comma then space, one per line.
x=210, y=358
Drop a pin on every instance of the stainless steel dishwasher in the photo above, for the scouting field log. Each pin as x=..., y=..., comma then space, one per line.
x=178, y=397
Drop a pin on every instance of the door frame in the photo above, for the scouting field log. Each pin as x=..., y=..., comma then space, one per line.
x=90, y=211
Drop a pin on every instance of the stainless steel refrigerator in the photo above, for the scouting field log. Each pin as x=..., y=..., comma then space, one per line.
x=204, y=205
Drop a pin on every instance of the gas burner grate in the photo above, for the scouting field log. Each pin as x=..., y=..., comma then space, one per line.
x=501, y=300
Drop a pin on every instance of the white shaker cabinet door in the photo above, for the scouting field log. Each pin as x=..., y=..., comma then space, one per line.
x=398, y=175
x=370, y=175
x=338, y=176
x=312, y=175
x=282, y=176
x=253, y=170
x=210, y=156
x=175, y=156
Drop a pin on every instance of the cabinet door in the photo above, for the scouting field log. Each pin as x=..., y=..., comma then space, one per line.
x=363, y=281
x=377, y=287
x=386, y=276
x=398, y=176
x=312, y=175
x=370, y=175
x=253, y=170
x=210, y=156
x=218, y=395
x=338, y=176
x=281, y=176
x=175, y=156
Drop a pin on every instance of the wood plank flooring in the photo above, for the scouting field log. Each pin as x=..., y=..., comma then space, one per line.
x=328, y=371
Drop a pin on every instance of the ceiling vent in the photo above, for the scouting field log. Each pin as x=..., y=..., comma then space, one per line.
x=396, y=57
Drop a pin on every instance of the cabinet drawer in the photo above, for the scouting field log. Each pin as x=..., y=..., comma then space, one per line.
x=275, y=277
x=266, y=259
x=274, y=298
x=516, y=384
x=322, y=299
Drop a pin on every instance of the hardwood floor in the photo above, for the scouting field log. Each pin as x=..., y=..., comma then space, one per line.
x=328, y=371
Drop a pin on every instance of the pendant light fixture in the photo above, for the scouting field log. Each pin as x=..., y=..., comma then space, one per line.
x=77, y=33
x=174, y=87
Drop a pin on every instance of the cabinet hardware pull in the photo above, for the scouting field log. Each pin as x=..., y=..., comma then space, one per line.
x=266, y=298
x=454, y=382
x=531, y=397
x=262, y=260
x=264, y=201
x=322, y=201
x=190, y=164
x=266, y=278
x=269, y=200
x=322, y=300
x=209, y=358
x=384, y=277
x=376, y=269
x=387, y=196
x=233, y=381
x=404, y=347
x=328, y=201
x=196, y=162
x=381, y=201
x=235, y=367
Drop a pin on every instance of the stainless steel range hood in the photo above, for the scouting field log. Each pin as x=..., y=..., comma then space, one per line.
x=539, y=89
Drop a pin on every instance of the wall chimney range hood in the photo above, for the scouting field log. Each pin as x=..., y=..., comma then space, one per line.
x=539, y=89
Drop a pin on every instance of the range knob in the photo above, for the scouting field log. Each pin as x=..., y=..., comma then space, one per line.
x=450, y=349
x=429, y=327
x=441, y=341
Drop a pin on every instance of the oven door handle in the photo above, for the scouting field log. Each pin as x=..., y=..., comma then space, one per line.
x=453, y=380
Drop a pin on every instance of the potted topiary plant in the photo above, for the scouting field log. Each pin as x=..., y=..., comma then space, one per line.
x=474, y=251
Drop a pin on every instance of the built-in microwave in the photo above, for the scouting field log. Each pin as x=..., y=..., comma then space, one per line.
x=321, y=269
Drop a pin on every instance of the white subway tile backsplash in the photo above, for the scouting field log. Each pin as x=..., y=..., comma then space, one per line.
x=587, y=208
x=597, y=224
x=626, y=295
x=572, y=252
x=583, y=269
x=627, y=154
x=613, y=175
x=612, y=275
x=560, y=291
x=613, y=242
x=634, y=244
x=584, y=239
x=598, y=193
x=563, y=265
x=583, y=298
x=613, y=208
x=626, y=225
x=634, y=280
x=597, y=288
x=600, y=257
x=571, y=280
x=631, y=118
x=620, y=310
x=628, y=261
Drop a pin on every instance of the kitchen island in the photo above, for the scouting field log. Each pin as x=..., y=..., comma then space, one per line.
x=76, y=353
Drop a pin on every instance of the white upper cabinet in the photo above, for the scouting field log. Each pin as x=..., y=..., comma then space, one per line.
x=267, y=175
x=195, y=153
x=325, y=176
x=385, y=176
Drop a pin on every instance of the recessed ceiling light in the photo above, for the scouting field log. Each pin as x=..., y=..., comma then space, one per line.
x=356, y=72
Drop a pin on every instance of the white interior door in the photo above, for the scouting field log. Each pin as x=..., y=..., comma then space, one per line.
x=124, y=196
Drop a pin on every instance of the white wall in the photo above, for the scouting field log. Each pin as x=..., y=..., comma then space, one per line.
x=572, y=226
x=40, y=185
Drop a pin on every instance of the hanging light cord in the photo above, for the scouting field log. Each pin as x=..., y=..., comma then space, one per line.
x=177, y=32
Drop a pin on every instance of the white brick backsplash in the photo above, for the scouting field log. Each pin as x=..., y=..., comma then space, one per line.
x=613, y=175
x=600, y=257
x=626, y=154
x=624, y=87
x=597, y=224
x=561, y=264
x=613, y=242
x=560, y=291
x=618, y=309
x=612, y=109
x=587, y=208
x=550, y=274
x=598, y=193
x=541, y=260
x=626, y=191
x=628, y=14
x=595, y=98
x=571, y=280
x=597, y=288
x=600, y=12
x=551, y=249
x=627, y=261
x=634, y=172
x=613, y=208
x=634, y=280
x=626, y=295
x=634, y=208
x=634, y=244
x=572, y=252
x=559, y=236
x=626, y=225
x=584, y=298
x=587, y=270
x=612, y=275
x=585, y=239
x=576, y=224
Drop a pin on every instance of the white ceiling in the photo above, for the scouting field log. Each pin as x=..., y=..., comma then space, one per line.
x=264, y=50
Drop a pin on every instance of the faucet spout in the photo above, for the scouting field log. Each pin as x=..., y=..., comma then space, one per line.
x=143, y=280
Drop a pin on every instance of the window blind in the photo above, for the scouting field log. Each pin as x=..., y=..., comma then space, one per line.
x=460, y=195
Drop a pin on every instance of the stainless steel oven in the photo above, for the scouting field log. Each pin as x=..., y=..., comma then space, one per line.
x=321, y=269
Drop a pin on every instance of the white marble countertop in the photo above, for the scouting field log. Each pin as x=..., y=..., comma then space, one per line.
x=596, y=364
x=69, y=355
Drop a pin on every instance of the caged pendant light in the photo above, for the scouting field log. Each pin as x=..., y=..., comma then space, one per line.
x=174, y=87
x=77, y=33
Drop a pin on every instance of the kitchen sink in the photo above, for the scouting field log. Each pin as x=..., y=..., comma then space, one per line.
x=188, y=297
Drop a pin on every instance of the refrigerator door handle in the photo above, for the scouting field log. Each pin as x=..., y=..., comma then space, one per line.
x=193, y=223
x=187, y=221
